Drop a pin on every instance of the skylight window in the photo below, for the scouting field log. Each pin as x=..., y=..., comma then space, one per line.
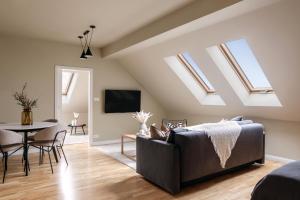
x=244, y=63
x=192, y=84
x=67, y=78
x=194, y=68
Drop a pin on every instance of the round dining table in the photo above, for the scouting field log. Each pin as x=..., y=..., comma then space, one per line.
x=25, y=129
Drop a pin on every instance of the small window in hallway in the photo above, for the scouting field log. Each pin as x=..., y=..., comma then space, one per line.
x=67, y=78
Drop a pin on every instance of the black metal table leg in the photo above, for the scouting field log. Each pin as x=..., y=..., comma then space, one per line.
x=26, y=152
x=83, y=130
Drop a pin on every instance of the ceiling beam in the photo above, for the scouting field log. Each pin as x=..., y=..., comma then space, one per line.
x=191, y=12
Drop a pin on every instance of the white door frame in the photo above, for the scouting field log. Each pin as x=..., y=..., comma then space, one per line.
x=58, y=100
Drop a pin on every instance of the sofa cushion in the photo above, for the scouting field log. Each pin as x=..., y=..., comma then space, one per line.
x=157, y=134
x=171, y=136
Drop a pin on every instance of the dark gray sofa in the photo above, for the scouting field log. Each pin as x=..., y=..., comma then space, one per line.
x=191, y=156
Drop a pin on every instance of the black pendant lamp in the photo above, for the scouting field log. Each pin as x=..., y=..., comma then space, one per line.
x=82, y=56
x=86, y=47
x=88, y=52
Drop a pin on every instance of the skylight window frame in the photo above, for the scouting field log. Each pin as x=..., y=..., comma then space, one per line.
x=195, y=74
x=69, y=84
x=240, y=73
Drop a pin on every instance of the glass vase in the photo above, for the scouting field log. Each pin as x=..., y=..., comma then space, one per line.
x=26, y=117
x=143, y=130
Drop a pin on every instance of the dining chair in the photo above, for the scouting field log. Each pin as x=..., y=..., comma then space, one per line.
x=47, y=140
x=46, y=120
x=31, y=137
x=60, y=144
x=10, y=143
x=51, y=120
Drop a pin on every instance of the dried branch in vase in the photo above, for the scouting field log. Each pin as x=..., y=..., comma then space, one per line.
x=23, y=100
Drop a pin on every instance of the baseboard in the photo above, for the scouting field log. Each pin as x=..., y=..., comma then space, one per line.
x=278, y=159
x=106, y=142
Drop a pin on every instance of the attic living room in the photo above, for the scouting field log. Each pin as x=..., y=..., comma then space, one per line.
x=184, y=99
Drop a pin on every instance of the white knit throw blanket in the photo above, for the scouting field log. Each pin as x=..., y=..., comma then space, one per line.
x=223, y=135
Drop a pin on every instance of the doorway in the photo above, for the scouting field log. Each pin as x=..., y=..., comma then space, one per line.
x=73, y=102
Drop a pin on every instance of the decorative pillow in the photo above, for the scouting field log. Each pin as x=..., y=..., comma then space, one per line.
x=238, y=118
x=157, y=134
x=171, y=124
x=164, y=128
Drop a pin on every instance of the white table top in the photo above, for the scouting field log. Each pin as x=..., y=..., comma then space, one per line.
x=19, y=127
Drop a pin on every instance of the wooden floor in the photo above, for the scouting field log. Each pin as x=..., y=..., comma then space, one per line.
x=92, y=175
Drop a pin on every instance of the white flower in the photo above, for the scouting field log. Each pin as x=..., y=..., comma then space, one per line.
x=76, y=115
x=142, y=116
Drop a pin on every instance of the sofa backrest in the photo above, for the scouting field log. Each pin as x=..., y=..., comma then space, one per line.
x=198, y=157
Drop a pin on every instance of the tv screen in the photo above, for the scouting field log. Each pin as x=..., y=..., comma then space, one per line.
x=122, y=101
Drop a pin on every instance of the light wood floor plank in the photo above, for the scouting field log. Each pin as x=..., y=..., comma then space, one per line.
x=93, y=175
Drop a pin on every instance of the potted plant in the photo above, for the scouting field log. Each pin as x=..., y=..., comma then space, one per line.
x=27, y=105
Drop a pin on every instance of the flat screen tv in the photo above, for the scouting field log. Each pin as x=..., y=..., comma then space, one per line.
x=122, y=101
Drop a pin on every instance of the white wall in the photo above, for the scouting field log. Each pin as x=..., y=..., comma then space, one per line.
x=33, y=61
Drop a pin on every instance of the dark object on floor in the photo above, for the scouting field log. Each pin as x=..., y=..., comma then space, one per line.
x=192, y=156
x=281, y=184
x=77, y=126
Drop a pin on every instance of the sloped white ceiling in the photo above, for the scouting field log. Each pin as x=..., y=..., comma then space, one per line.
x=64, y=20
x=273, y=34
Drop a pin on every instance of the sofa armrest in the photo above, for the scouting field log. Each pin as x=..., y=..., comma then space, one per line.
x=158, y=162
